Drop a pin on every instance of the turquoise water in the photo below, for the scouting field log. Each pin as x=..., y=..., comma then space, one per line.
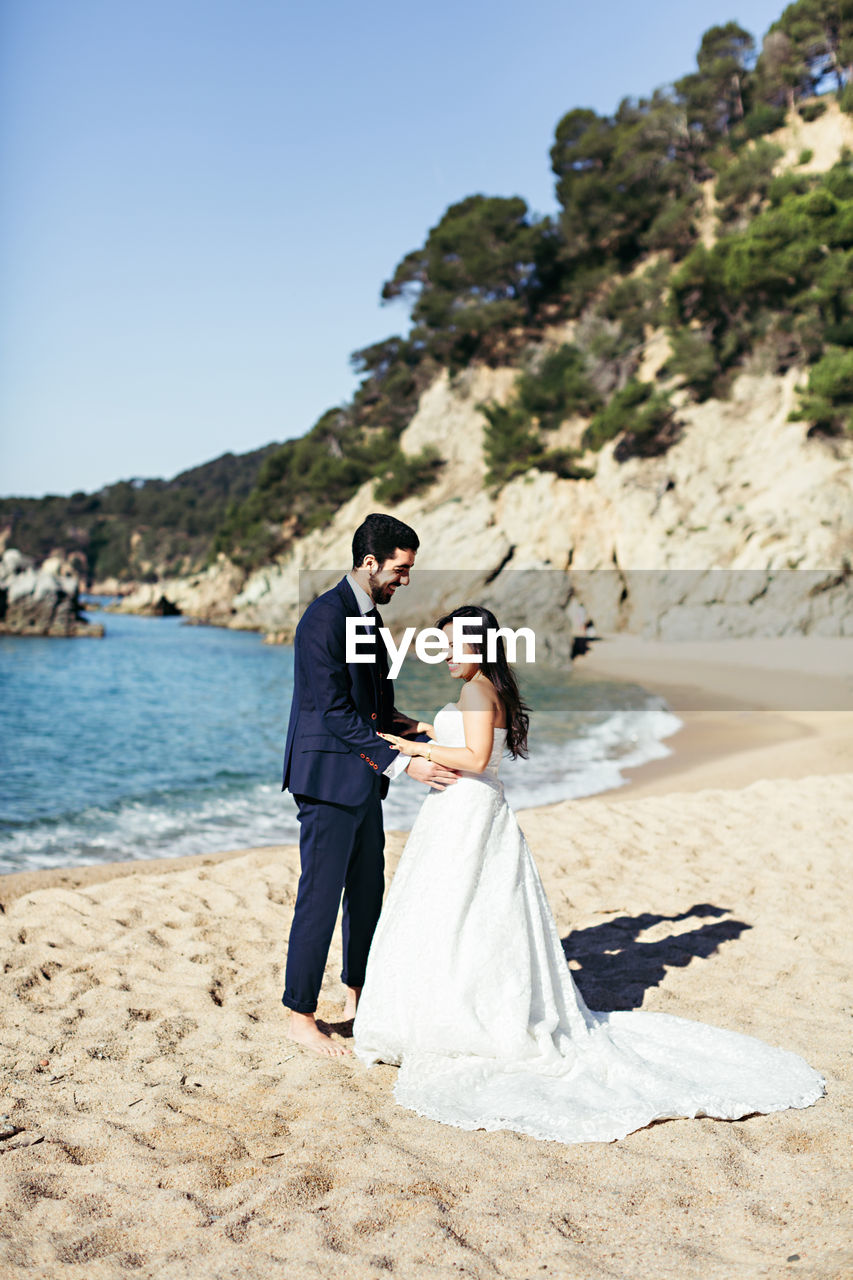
x=165, y=739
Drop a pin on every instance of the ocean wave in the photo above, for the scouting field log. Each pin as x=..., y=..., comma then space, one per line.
x=154, y=828
x=238, y=813
x=584, y=765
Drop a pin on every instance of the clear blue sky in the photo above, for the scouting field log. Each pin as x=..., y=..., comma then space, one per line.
x=202, y=198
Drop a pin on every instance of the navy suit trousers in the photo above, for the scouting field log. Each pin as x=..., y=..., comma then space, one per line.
x=342, y=851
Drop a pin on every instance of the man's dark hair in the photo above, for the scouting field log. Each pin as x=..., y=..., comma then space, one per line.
x=380, y=536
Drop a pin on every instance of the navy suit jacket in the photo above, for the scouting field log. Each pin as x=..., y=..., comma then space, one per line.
x=333, y=751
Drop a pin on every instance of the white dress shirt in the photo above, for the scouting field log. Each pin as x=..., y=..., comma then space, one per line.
x=400, y=763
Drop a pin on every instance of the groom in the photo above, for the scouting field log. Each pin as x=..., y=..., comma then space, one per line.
x=338, y=769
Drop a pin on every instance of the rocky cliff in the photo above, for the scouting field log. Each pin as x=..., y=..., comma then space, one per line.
x=40, y=600
x=206, y=596
x=745, y=506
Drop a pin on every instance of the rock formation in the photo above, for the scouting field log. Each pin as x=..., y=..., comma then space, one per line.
x=206, y=597
x=40, y=601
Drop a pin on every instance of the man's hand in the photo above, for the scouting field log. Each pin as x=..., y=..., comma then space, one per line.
x=437, y=776
x=408, y=747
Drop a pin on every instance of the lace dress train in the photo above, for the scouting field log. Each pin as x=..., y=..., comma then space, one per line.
x=468, y=992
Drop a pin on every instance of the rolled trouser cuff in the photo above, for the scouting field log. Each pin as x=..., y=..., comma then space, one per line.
x=298, y=1006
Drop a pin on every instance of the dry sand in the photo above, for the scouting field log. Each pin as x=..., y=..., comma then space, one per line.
x=179, y=1134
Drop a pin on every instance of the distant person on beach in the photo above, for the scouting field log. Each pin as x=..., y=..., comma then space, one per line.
x=582, y=626
x=338, y=769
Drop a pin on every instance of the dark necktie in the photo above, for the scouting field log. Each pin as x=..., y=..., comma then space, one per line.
x=380, y=666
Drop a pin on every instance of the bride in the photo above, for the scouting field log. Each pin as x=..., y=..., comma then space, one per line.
x=467, y=988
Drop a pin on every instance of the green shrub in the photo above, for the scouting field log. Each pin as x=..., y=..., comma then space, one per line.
x=544, y=398
x=790, y=270
x=108, y=549
x=827, y=401
x=564, y=462
x=559, y=388
x=845, y=98
x=811, y=110
x=674, y=228
x=694, y=360
x=637, y=302
x=746, y=180
x=511, y=444
x=788, y=184
x=611, y=349
x=406, y=475
x=839, y=179
x=612, y=331
x=763, y=118
x=840, y=334
x=806, y=156
x=641, y=414
x=618, y=415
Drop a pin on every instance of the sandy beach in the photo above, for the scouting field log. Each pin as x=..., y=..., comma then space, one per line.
x=168, y=1128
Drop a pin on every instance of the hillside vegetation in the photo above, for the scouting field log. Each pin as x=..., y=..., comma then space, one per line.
x=136, y=529
x=675, y=217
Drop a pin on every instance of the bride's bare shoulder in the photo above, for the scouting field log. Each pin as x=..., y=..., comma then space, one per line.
x=480, y=695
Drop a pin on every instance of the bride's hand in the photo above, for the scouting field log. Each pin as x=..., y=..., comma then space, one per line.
x=428, y=729
x=404, y=745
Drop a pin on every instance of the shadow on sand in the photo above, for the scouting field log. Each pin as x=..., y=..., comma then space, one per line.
x=616, y=969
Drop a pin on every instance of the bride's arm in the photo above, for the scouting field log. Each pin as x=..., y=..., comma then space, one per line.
x=478, y=718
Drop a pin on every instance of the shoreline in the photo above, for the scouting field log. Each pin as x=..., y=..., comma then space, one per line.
x=728, y=694
x=747, y=708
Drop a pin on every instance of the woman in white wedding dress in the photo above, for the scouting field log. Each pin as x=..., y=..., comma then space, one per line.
x=467, y=988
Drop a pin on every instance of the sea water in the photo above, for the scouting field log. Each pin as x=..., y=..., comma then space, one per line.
x=164, y=739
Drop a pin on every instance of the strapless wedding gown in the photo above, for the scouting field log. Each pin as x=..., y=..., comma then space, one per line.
x=468, y=991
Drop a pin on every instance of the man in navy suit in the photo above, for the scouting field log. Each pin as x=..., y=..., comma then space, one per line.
x=338, y=769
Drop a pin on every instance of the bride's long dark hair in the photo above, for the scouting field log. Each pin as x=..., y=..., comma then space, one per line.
x=500, y=673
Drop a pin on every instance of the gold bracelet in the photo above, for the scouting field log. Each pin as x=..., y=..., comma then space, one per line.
x=428, y=754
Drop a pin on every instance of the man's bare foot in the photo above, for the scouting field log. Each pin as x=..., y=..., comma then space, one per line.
x=304, y=1031
x=353, y=994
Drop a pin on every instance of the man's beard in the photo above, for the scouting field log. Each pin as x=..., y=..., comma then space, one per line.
x=381, y=592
